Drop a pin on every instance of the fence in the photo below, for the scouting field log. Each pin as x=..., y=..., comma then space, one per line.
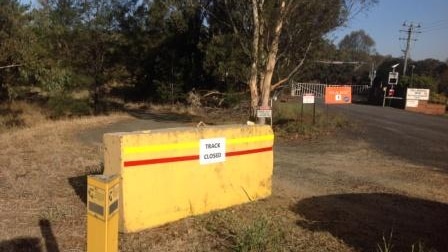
x=299, y=89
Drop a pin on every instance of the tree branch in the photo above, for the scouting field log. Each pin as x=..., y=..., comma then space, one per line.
x=235, y=30
x=294, y=71
x=10, y=66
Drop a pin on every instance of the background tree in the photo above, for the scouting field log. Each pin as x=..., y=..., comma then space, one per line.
x=13, y=45
x=358, y=45
x=279, y=33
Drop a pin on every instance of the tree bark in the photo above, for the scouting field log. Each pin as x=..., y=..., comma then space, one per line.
x=254, y=66
x=271, y=61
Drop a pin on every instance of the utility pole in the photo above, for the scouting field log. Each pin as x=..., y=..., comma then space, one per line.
x=411, y=29
x=372, y=73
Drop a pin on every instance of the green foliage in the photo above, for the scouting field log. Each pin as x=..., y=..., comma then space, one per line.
x=64, y=105
x=257, y=233
x=234, y=99
x=261, y=235
x=13, y=45
x=418, y=81
x=357, y=42
x=167, y=92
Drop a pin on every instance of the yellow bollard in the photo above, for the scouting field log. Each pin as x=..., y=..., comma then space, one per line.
x=102, y=213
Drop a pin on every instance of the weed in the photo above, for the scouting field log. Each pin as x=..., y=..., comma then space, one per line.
x=261, y=235
x=239, y=234
x=386, y=244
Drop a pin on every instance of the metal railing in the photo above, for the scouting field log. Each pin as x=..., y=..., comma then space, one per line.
x=318, y=89
x=299, y=89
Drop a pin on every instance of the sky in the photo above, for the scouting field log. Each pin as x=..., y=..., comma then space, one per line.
x=384, y=21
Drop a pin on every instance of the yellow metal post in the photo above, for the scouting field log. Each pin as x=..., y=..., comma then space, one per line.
x=102, y=213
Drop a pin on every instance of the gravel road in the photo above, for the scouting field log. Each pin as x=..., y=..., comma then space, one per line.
x=419, y=138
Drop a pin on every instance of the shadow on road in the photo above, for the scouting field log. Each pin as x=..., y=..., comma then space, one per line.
x=362, y=220
x=161, y=117
x=33, y=244
x=143, y=121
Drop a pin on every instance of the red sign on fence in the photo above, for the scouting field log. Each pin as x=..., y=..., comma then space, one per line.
x=338, y=95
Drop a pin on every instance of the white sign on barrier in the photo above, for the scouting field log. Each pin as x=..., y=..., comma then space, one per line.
x=212, y=150
x=417, y=94
x=308, y=99
x=411, y=103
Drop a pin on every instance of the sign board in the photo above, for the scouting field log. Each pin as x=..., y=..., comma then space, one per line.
x=411, y=103
x=112, y=199
x=393, y=78
x=96, y=201
x=264, y=112
x=417, y=94
x=212, y=150
x=308, y=99
x=338, y=95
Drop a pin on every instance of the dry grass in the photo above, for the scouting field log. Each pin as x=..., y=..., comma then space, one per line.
x=38, y=167
x=20, y=114
x=42, y=178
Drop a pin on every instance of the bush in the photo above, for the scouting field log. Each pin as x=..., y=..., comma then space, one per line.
x=63, y=105
x=234, y=99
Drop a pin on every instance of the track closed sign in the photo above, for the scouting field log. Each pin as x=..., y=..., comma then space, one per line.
x=212, y=150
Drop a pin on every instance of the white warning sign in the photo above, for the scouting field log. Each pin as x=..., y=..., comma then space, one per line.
x=212, y=150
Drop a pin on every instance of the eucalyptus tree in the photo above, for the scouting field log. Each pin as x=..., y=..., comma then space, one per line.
x=280, y=33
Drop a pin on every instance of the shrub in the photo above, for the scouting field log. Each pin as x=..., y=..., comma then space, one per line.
x=63, y=105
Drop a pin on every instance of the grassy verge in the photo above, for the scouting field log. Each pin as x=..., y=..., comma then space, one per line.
x=260, y=233
x=291, y=122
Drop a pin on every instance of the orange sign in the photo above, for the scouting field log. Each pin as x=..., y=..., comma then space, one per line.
x=338, y=95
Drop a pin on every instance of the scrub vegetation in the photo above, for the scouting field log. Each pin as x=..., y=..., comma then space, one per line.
x=347, y=201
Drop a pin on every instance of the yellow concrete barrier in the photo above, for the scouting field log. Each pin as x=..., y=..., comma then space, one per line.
x=173, y=173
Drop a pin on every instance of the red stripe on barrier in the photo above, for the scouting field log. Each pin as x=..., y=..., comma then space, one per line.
x=160, y=160
x=244, y=152
x=189, y=158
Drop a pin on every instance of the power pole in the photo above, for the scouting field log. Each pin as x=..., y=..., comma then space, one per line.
x=410, y=31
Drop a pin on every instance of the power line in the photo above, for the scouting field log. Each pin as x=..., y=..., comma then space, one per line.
x=410, y=30
x=437, y=22
x=435, y=28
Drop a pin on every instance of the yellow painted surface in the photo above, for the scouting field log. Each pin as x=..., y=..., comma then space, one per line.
x=102, y=220
x=163, y=191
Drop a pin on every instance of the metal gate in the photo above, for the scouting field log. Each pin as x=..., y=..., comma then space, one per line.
x=299, y=89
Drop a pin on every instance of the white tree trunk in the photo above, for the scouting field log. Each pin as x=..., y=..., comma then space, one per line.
x=253, y=81
x=271, y=61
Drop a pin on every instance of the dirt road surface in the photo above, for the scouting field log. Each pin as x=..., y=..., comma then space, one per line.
x=419, y=138
x=367, y=186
